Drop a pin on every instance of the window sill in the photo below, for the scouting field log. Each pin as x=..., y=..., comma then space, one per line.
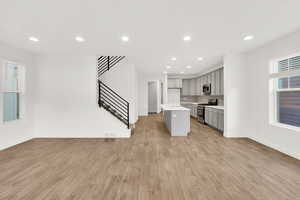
x=280, y=125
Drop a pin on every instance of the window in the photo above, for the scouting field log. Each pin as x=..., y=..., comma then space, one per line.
x=12, y=89
x=285, y=91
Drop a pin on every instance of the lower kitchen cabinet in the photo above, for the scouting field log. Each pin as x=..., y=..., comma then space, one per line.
x=215, y=118
x=193, y=108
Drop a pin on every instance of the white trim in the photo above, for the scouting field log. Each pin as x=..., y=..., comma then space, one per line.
x=276, y=147
x=21, y=79
x=287, y=90
x=285, y=74
x=273, y=90
x=281, y=125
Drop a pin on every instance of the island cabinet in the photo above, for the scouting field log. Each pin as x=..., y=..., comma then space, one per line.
x=177, y=120
x=215, y=118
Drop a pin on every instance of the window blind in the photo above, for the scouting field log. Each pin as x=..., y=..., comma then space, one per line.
x=289, y=64
x=289, y=107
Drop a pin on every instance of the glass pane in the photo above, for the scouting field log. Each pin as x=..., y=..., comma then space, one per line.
x=295, y=82
x=11, y=77
x=283, y=83
x=289, y=108
x=11, y=106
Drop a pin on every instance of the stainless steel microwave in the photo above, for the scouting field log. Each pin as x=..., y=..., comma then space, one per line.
x=207, y=89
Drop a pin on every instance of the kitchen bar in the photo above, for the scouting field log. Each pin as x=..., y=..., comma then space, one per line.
x=177, y=119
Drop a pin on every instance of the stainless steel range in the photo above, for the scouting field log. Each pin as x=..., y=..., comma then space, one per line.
x=201, y=109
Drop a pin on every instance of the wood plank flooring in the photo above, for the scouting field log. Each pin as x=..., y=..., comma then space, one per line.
x=149, y=165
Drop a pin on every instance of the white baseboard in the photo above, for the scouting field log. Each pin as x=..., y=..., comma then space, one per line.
x=6, y=146
x=276, y=147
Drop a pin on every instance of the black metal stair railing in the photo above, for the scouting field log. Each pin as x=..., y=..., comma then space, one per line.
x=105, y=63
x=113, y=103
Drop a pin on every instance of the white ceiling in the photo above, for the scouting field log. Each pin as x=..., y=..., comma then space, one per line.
x=155, y=28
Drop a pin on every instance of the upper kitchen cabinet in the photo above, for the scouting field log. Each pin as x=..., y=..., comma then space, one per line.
x=185, y=87
x=193, y=83
x=174, y=83
x=202, y=82
x=194, y=86
x=218, y=88
x=213, y=82
x=217, y=82
x=198, y=86
x=208, y=78
x=222, y=81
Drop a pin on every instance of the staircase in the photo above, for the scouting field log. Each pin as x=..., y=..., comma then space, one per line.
x=108, y=98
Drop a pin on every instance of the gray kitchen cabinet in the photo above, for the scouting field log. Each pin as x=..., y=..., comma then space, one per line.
x=207, y=113
x=218, y=86
x=222, y=81
x=202, y=82
x=205, y=79
x=185, y=87
x=215, y=118
x=209, y=78
x=195, y=110
x=192, y=87
x=213, y=82
x=221, y=120
x=174, y=83
x=198, y=86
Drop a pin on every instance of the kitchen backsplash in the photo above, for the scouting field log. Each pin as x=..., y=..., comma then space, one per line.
x=202, y=98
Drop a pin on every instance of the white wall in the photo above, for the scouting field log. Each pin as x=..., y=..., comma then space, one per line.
x=282, y=139
x=237, y=98
x=122, y=78
x=15, y=132
x=66, y=100
x=247, y=92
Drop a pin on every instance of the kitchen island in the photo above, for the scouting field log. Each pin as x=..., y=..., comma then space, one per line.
x=177, y=119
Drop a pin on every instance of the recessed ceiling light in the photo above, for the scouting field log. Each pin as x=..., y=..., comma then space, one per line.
x=125, y=38
x=187, y=38
x=248, y=37
x=174, y=58
x=200, y=58
x=182, y=72
x=188, y=67
x=168, y=67
x=79, y=39
x=34, y=39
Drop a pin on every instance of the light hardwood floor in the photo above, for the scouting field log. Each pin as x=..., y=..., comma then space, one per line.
x=149, y=165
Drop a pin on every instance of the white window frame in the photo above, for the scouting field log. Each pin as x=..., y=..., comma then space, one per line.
x=273, y=89
x=20, y=88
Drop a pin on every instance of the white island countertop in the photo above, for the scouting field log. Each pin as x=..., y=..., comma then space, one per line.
x=173, y=107
x=216, y=107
